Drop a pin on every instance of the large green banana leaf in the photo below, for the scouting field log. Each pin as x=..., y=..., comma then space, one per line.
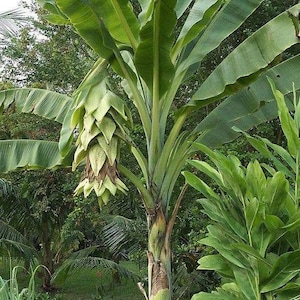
x=152, y=58
x=229, y=18
x=45, y=103
x=35, y=154
x=31, y=154
x=250, y=106
x=149, y=35
x=251, y=57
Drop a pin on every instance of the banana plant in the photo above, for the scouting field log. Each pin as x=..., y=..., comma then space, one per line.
x=255, y=218
x=153, y=50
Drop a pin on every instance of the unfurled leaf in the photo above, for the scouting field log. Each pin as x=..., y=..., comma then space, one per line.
x=228, y=291
x=285, y=268
x=215, y=262
x=288, y=125
x=199, y=185
x=276, y=192
x=247, y=282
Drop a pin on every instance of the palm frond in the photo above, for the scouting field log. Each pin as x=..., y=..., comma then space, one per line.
x=9, y=21
x=14, y=242
x=16, y=249
x=6, y=189
x=7, y=232
x=119, y=234
x=82, y=260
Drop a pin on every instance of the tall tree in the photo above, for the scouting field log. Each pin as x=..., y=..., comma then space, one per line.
x=153, y=57
x=32, y=56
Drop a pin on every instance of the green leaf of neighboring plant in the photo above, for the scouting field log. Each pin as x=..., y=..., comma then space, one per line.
x=255, y=180
x=288, y=125
x=215, y=262
x=228, y=291
x=253, y=253
x=276, y=193
x=254, y=214
x=221, y=240
x=207, y=170
x=247, y=283
x=283, y=153
x=262, y=144
x=285, y=268
x=199, y=185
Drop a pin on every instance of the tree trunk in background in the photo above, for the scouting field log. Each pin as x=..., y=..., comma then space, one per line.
x=47, y=255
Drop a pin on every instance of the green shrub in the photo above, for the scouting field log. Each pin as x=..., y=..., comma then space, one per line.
x=255, y=216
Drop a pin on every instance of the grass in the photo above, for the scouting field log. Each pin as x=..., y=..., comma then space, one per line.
x=85, y=284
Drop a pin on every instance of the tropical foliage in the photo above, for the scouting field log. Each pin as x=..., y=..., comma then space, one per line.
x=153, y=50
x=32, y=56
x=255, y=216
x=10, y=289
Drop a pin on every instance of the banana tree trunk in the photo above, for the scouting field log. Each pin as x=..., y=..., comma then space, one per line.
x=159, y=257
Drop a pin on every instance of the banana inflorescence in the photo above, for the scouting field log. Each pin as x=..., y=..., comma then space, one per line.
x=100, y=116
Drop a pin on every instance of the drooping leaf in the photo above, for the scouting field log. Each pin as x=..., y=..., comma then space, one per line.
x=224, y=23
x=47, y=104
x=198, y=18
x=227, y=80
x=31, y=154
x=83, y=17
x=250, y=106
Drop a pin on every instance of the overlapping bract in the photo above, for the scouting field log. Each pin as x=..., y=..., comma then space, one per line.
x=100, y=117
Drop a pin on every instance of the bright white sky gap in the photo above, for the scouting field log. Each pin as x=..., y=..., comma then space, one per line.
x=6, y=5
